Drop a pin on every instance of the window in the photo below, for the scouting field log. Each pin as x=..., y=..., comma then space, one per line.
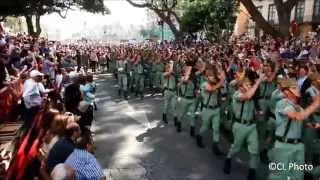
x=316, y=12
x=300, y=11
x=272, y=14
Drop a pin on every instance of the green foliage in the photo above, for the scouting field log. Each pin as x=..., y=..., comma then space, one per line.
x=41, y=7
x=210, y=16
x=149, y=33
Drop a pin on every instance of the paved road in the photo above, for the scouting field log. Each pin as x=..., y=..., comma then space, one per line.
x=133, y=144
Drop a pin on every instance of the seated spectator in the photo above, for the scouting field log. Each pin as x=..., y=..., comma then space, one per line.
x=64, y=147
x=82, y=160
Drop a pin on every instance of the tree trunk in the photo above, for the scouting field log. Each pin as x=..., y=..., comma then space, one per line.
x=259, y=19
x=38, y=26
x=177, y=34
x=30, y=25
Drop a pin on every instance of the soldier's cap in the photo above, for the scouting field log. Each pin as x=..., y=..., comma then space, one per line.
x=292, y=85
x=314, y=77
x=242, y=81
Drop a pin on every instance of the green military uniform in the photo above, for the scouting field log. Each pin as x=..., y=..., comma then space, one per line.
x=200, y=79
x=170, y=96
x=186, y=104
x=122, y=68
x=210, y=115
x=311, y=136
x=157, y=78
x=131, y=76
x=227, y=122
x=244, y=129
x=288, y=146
x=139, y=79
x=264, y=97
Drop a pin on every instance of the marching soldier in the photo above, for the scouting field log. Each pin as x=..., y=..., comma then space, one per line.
x=187, y=99
x=289, y=147
x=244, y=128
x=139, y=77
x=122, y=66
x=131, y=76
x=312, y=128
x=211, y=111
x=157, y=70
x=264, y=95
x=170, y=88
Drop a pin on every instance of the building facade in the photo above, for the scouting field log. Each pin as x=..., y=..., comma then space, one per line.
x=306, y=13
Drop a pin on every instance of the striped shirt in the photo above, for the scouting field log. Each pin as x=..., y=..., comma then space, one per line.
x=85, y=165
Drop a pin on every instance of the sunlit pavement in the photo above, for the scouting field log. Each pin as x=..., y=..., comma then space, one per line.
x=133, y=144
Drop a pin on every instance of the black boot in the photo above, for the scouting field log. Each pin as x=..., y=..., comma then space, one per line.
x=199, y=141
x=125, y=95
x=216, y=150
x=192, y=131
x=175, y=121
x=178, y=126
x=164, y=118
x=251, y=174
x=227, y=166
x=141, y=96
x=119, y=92
x=264, y=156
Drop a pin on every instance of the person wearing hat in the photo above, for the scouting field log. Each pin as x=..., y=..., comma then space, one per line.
x=311, y=131
x=33, y=90
x=289, y=147
x=244, y=128
x=211, y=110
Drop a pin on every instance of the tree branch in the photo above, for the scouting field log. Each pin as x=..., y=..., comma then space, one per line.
x=144, y=5
x=290, y=4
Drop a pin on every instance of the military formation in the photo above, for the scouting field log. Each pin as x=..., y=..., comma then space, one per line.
x=268, y=107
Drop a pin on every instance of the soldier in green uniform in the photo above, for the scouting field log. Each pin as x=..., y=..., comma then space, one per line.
x=311, y=133
x=244, y=128
x=157, y=77
x=170, y=88
x=211, y=111
x=264, y=96
x=187, y=99
x=122, y=69
x=131, y=76
x=289, y=147
x=200, y=79
x=139, y=77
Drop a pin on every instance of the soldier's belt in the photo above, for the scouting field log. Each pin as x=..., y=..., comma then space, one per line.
x=244, y=122
x=173, y=90
x=211, y=107
x=288, y=140
x=188, y=97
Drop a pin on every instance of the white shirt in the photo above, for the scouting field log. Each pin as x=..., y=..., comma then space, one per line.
x=301, y=80
x=32, y=93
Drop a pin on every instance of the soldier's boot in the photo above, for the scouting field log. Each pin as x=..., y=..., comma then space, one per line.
x=125, y=95
x=264, y=156
x=119, y=92
x=153, y=91
x=215, y=149
x=227, y=166
x=141, y=96
x=178, y=127
x=164, y=118
x=192, y=131
x=199, y=141
x=251, y=174
x=175, y=121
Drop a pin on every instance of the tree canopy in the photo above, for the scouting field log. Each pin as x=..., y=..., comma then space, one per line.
x=209, y=16
x=37, y=8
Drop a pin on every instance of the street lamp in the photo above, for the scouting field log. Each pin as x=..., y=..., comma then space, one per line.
x=161, y=23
